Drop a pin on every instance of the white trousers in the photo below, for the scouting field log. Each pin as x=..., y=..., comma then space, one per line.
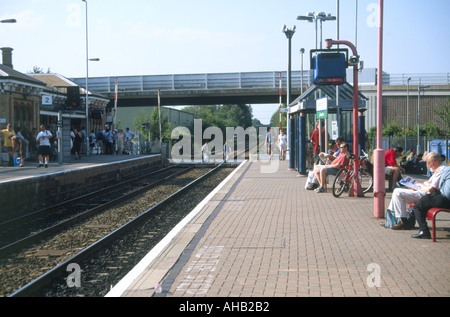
x=401, y=198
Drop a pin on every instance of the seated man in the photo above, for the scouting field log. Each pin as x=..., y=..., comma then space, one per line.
x=331, y=169
x=402, y=197
x=391, y=166
x=439, y=198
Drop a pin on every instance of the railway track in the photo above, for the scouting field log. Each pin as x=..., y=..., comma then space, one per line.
x=20, y=231
x=104, y=241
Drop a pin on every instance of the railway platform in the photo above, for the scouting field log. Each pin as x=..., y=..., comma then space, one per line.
x=261, y=234
x=65, y=181
x=10, y=173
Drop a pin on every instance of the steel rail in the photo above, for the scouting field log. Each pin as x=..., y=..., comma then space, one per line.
x=59, y=271
x=77, y=218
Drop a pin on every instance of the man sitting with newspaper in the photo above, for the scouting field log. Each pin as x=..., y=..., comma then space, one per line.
x=401, y=197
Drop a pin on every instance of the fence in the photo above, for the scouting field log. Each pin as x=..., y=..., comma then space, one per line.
x=440, y=144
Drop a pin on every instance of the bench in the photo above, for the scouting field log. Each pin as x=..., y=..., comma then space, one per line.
x=431, y=215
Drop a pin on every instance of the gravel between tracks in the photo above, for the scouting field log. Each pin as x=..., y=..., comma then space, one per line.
x=114, y=262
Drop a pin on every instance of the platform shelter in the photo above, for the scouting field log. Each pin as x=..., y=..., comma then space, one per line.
x=339, y=120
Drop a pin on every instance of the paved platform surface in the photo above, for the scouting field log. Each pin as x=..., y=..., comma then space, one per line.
x=264, y=235
x=30, y=168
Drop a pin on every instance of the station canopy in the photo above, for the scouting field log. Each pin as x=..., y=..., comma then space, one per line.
x=307, y=101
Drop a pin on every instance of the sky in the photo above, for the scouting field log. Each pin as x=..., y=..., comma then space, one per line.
x=149, y=37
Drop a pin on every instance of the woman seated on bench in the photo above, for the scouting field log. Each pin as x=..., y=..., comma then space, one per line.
x=440, y=198
x=322, y=170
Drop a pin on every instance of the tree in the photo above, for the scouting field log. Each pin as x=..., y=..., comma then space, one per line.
x=154, y=126
x=444, y=114
x=38, y=70
x=275, y=120
x=138, y=122
x=223, y=116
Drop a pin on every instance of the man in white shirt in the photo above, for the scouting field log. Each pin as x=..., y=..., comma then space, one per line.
x=129, y=135
x=401, y=197
x=43, y=138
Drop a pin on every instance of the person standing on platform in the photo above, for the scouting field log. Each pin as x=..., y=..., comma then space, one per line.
x=129, y=135
x=43, y=138
x=282, y=143
x=315, y=141
x=268, y=142
x=92, y=142
x=77, y=141
x=205, y=153
x=7, y=135
x=120, y=142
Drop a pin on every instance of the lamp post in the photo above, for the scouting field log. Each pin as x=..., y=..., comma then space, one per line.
x=418, y=117
x=314, y=17
x=302, y=51
x=87, y=77
x=407, y=104
x=289, y=34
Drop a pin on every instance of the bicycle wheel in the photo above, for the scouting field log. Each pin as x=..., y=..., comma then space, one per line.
x=365, y=179
x=340, y=181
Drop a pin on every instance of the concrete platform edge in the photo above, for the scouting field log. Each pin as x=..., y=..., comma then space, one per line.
x=168, y=249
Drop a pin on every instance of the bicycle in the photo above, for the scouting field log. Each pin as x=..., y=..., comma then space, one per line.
x=344, y=177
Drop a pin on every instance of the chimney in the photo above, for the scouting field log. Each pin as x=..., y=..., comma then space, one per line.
x=7, y=56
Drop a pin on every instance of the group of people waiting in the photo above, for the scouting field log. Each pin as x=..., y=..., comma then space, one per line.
x=102, y=142
x=435, y=192
x=15, y=142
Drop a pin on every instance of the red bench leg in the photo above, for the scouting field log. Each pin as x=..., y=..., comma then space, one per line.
x=433, y=230
x=431, y=215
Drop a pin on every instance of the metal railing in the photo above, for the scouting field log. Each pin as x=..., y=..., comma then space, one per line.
x=419, y=79
x=194, y=81
x=244, y=80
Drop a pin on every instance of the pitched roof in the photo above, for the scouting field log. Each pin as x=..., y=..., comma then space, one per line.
x=9, y=73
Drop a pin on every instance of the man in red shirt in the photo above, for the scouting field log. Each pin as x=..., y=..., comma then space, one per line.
x=391, y=166
x=331, y=169
x=315, y=141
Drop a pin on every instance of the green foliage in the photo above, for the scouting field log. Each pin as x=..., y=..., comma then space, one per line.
x=154, y=126
x=153, y=118
x=443, y=111
x=275, y=120
x=393, y=128
x=224, y=116
x=139, y=120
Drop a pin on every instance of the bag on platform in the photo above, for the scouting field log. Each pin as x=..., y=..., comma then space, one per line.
x=391, y=219
x=311, y=182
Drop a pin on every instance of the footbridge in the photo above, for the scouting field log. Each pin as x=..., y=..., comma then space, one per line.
x=230, y=88
x=197, y=89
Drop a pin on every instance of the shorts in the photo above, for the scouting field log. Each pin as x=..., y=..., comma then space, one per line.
x=387, y=170
x=44, y=150
x=332, y=171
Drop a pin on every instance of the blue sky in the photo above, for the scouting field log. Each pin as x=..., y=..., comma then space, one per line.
x=144, y=37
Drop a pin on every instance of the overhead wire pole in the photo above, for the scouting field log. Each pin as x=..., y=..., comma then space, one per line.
x=280, y=101
x=159, y=114
x=115, y=106
x=289, y=34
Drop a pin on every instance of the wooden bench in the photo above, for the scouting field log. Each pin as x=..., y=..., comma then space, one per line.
x=431, y=215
